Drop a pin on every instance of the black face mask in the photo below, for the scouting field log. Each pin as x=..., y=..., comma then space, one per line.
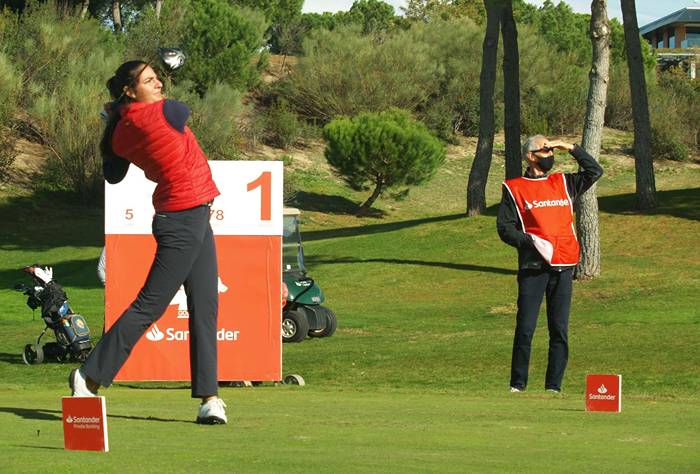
x=545, y=162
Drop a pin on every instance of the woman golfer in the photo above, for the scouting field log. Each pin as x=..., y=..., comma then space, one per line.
x=149, y=131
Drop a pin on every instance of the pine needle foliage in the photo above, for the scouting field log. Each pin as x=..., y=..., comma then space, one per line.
x=384, y=150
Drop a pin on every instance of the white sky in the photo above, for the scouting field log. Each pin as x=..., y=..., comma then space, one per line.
x=647, y=10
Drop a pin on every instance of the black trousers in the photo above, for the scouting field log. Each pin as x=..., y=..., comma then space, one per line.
x=532, y=286
x=186, y=254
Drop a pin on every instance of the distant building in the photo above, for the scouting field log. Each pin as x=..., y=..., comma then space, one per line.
x=676, y=38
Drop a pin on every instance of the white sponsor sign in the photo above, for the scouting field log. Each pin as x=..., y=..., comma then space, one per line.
x=250, y=202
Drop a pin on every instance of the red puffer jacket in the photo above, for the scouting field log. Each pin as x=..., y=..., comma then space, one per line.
x=170, y=158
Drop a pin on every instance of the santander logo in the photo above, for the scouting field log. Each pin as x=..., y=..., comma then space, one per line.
x=155, y=334
x=602, y=394
x=535, y=204
x=171, y=334
x=83, y=419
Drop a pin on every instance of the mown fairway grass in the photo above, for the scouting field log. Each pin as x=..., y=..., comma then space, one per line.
x=313, y=429
x=416, y=376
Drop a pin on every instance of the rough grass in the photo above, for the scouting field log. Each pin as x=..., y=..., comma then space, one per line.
x=416, y=376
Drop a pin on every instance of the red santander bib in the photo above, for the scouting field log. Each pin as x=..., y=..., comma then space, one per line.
x=546, y=213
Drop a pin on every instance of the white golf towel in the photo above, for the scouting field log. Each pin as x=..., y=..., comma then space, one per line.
x=544, y=247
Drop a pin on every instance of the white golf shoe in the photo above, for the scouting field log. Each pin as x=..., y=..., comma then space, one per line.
x=212, y=412
x=78, y=384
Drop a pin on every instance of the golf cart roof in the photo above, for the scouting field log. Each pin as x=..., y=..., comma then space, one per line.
x=291, y=211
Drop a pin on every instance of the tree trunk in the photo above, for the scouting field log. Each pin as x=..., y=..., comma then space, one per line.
x=367, y=205
x=587, y=204
x=84, y=9
x=511, y=92
x=476, y=186
x=643, y=164
x=116, y=16
x=159, y=5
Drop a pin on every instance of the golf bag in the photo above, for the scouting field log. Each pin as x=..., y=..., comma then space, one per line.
x=70, y=329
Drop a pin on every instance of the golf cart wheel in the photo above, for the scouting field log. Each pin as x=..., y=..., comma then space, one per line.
x=331, y=324
x=294, y=379
x=295, y=326
x=33, y=354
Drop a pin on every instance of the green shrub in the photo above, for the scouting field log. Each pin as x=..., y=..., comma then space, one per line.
x=454, y=104
x=618, y=112
x=678, y=98
x=666, y=144
x=385, y=150
x=7, y=154
x=439, y=116
x=68, y=121
x=221, y=42
x=66, y=62
x=8, y=26
x=553, y=89
x=433, y=71
x=148, y=33
x=344, y=73
x=221, y=39
x=372, y=15
x=10, y=86
x=53, y=49
x=290, y=186
x=563, y=103
x=674, y=110
x=214, y=118
x=282, y=127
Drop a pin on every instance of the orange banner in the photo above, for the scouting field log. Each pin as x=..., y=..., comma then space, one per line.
x=249, y=343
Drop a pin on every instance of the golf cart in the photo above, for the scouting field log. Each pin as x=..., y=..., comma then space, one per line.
x=302, y=314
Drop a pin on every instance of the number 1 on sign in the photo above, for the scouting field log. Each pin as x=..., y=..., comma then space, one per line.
x=264, y=182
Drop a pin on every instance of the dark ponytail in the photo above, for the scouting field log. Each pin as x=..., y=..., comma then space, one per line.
x=126, y=75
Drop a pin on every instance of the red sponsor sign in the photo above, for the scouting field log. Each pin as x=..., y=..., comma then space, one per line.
x=85, y=423
x=604, y=392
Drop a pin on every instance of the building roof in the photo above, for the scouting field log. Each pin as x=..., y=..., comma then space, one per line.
x=684, y=15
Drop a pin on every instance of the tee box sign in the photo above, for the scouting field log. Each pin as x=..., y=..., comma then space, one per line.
x=604, y=393
x=247, y=223
x=85, y=423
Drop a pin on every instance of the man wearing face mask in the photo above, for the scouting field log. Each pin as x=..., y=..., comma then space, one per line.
x=536, y=217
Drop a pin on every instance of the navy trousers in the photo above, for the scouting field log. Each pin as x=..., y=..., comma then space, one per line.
x=186, y=255
x=533, y=285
